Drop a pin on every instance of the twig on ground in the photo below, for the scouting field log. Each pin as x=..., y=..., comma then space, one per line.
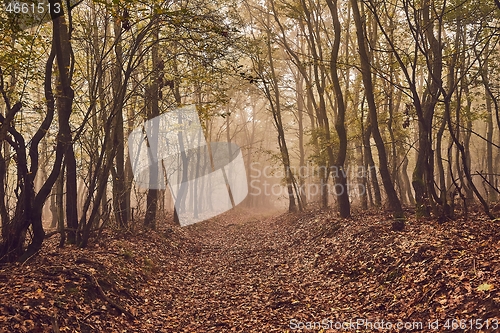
x=92, y=279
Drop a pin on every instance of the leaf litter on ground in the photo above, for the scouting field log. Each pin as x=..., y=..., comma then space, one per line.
x=242, y=272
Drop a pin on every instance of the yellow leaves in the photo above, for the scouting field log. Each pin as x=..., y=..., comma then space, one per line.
x=485, y=287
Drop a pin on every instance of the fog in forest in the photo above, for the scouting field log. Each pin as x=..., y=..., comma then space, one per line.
x=341, y=104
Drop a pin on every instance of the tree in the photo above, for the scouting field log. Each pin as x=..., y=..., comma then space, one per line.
x=394, y=203
x=340, y=176
x=28, y=212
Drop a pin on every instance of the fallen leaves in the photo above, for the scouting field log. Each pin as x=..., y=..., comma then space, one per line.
x=240, y=273
x=485, y=287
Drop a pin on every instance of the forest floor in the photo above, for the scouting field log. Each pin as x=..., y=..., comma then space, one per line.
x=241, y=272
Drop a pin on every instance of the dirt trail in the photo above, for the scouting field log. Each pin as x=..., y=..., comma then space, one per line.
x=278, y=274
x=238, y=280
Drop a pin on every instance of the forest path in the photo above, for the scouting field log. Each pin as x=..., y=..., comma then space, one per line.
x=240, y=278
x=277, y=274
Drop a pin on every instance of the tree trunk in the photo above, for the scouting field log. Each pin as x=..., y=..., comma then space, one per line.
x=302, y=155
x=152, y=195
x=492, y=194
x=64, y=103
x=394, y=203
x=120, y=192
x=344, y=205
x=273, y=95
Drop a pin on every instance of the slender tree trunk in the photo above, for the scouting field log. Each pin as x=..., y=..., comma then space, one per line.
x=394, y=203
x=273, y=95
x=371, y=170
x=64, y=103
x=59, y=200
x=344, y=205
x=423, y=175
x=492, y=194
x=152, y=195
x=302, y=155
x=469, y=193
x=120, y=193
x=443, y=195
